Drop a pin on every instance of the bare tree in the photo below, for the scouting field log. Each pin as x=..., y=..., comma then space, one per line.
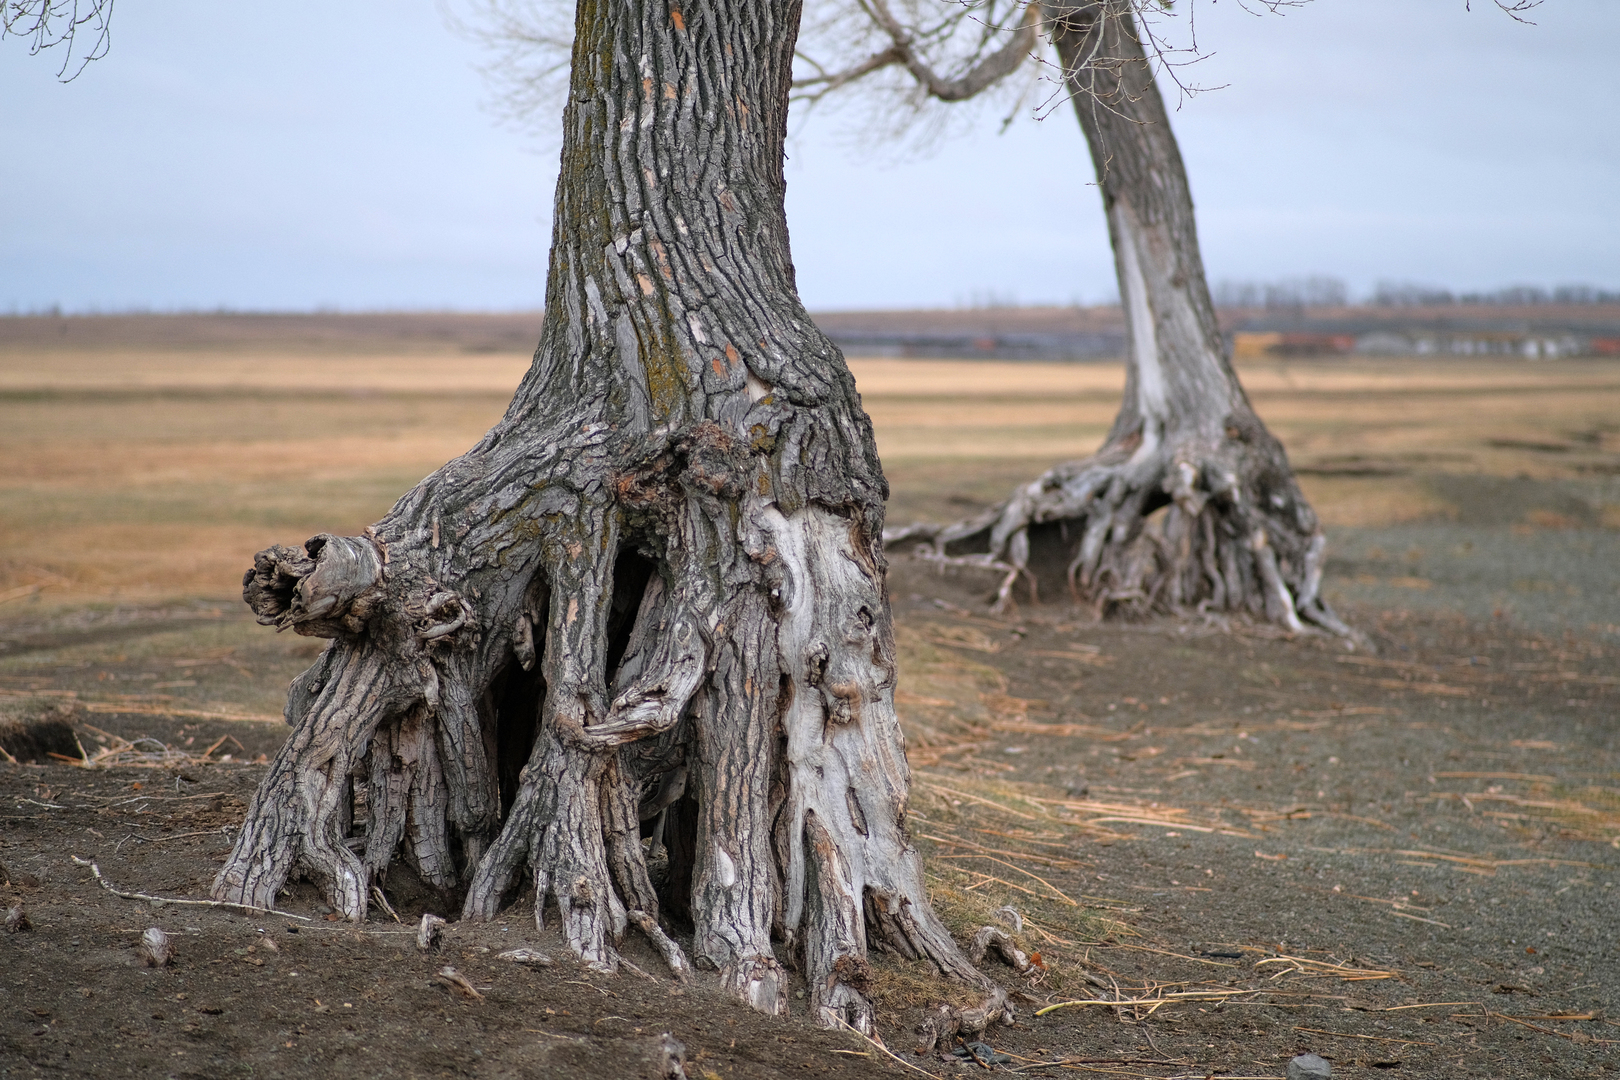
x=1235, y=533
x=60, y=24
x=650, y=601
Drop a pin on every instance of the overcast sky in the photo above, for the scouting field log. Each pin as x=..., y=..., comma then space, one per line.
x=299, y=154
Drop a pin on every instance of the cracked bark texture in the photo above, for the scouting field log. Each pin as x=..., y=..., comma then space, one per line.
x=1235, y=533
x=649, y=601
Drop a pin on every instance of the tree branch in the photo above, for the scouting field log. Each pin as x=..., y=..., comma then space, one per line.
x=986, y=73
x=824, y=84
x=49, y=23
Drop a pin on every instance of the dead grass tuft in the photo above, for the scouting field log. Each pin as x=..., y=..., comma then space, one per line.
x=900, y=985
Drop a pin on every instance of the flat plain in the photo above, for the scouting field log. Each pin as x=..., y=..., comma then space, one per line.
x=1227, y=847
x=156, y=470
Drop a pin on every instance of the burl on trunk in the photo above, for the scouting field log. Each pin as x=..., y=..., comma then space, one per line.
x=650, y=601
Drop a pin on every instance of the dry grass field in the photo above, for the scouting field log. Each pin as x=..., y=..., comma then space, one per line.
x=152, y=471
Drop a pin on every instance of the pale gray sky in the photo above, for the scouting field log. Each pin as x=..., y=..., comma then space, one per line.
x=296, y=155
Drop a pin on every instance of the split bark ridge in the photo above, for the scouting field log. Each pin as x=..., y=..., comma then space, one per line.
x=1190, y=504
x=650, y=602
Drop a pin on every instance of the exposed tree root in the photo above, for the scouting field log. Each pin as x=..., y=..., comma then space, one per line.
x=1146, y=527
x=950, y=1022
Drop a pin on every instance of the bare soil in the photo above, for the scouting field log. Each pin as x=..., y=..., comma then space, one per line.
x=1404, y=862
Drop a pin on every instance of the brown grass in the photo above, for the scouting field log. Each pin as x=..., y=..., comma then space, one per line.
x=275, y=370
x=956, y=434
x=147, y=472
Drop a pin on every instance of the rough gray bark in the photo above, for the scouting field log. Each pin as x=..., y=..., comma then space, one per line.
x=1236, y=533
x=650, y=599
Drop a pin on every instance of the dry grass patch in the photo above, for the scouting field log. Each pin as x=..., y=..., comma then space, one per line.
x=277, y=369
x=956, y=437
x=151, y=496
x=158, y=472
x=1535, y=806
x=1352, y=502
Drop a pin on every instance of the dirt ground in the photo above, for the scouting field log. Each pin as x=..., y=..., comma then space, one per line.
x=1404, y=862
x=1227, y=847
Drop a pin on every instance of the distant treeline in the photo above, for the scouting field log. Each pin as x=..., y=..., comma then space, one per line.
x=1321, y=291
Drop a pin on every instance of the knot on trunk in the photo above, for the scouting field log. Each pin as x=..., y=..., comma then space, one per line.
x=712, y=461
x=326, y=590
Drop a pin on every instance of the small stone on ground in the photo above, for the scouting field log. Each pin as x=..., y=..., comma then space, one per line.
x=1309, y=1067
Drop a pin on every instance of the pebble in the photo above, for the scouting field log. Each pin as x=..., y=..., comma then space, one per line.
x=1309, y=1067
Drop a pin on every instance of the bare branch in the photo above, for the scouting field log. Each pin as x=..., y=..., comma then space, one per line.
x=531, y=43
x=986, y=73
x=48, y=24
x=1514, y=9
x=817, y=85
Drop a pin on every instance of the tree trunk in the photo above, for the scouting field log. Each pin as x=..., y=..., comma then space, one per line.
x=1236, y=534
x=658, y=581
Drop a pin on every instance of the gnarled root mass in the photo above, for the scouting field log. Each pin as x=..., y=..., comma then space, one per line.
x=1210, y=525
x=751, y=669
x=535, y=686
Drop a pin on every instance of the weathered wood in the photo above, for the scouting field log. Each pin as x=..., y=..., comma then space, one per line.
x=657, y=582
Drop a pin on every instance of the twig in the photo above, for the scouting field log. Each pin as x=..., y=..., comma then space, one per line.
x=458, y=984
x=1187, y=995
x=957, y=841
x=105, y=884
x=1550, y=1031
x=382, y=902
x=1323, y=967
x=985, y=879
x=1419, y=918
x=884, y=1049
x=979, y=799
x=991, y=858
x=1161, y=952
x=638, y=971
x=593, y=986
